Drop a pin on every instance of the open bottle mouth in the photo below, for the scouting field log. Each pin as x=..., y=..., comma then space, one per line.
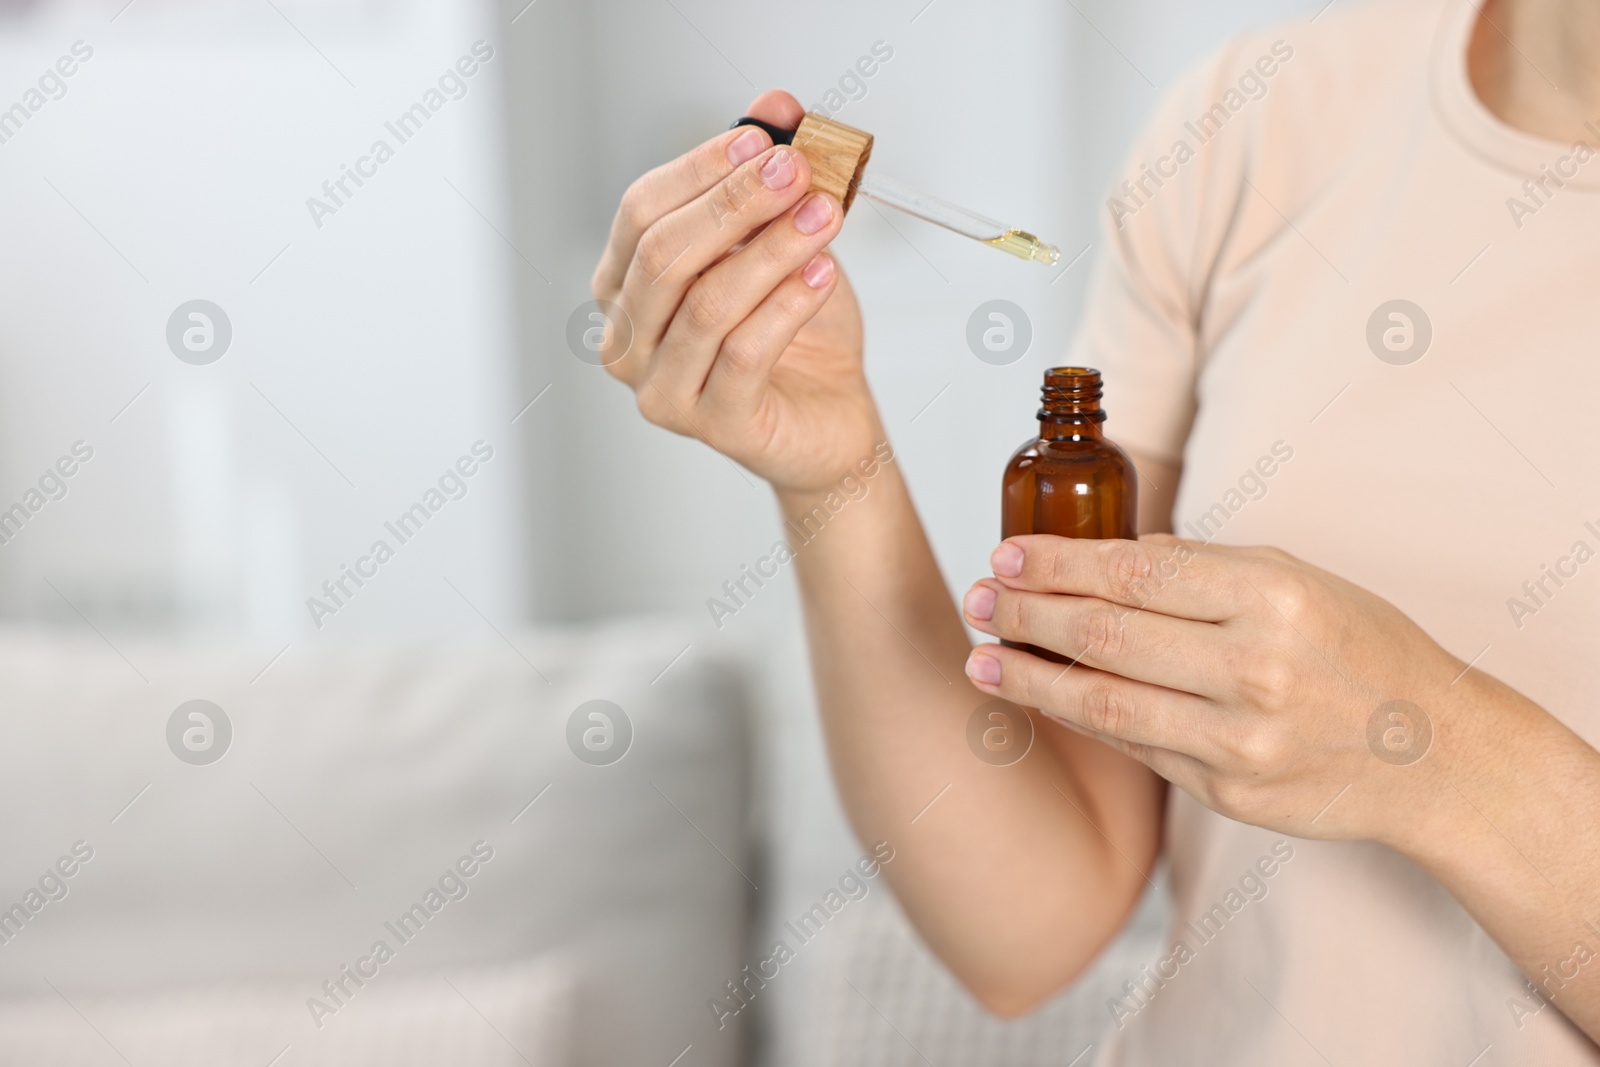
x=1071, y=393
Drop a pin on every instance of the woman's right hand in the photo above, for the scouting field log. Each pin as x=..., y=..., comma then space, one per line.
x=744, y=333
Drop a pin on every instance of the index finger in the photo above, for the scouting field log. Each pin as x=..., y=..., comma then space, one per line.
x=664, y=190
x=1164, y=574
x=675, y=183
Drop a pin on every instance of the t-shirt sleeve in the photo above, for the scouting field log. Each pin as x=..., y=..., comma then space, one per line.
x=1163, y=225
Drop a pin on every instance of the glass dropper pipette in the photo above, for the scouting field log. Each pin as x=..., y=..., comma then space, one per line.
x=902, y=197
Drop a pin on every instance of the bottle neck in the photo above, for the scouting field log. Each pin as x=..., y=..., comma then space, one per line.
x=1070, y=405
x=1076, y=428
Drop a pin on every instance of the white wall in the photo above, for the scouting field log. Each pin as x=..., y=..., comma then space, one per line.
x=189, y=145
x=368, y=356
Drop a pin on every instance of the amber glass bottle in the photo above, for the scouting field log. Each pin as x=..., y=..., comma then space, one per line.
x=1070, y=481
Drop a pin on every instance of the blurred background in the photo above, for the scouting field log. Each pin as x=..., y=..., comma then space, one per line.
x=359, y=342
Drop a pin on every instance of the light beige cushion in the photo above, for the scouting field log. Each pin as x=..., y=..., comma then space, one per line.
x=358, y=775
x=510, y=1017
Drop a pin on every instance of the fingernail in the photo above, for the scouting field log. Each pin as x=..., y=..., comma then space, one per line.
x=817, y=273
x=747, y=146
x=984, y=668
x=814, y=214
x=778, y=171
x=1006, y=561
x=979, y=603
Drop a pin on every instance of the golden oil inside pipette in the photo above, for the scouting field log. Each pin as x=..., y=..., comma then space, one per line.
x=1025, y=245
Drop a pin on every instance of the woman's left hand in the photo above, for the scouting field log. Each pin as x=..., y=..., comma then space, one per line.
x=1274, y=692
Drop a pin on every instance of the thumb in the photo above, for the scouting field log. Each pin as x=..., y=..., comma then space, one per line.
x=778, y=108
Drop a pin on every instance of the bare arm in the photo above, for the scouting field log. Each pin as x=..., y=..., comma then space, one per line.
x=732, y=324
x=1017, y=876
x=1509, y=829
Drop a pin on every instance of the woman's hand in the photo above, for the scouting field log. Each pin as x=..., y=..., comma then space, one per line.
x=1282, y=696
x=739, y=329
x=1261, y=685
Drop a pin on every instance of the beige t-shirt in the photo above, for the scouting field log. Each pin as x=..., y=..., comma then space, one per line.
x=1441, y=453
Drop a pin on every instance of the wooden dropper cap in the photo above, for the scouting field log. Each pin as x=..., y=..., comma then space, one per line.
x=837, y=154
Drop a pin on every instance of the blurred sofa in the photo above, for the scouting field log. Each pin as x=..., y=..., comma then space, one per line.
x=216, y=912
x=541, y=899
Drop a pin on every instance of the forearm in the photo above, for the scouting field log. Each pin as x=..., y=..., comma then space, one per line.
x=993, y=863
x=1514, y=833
